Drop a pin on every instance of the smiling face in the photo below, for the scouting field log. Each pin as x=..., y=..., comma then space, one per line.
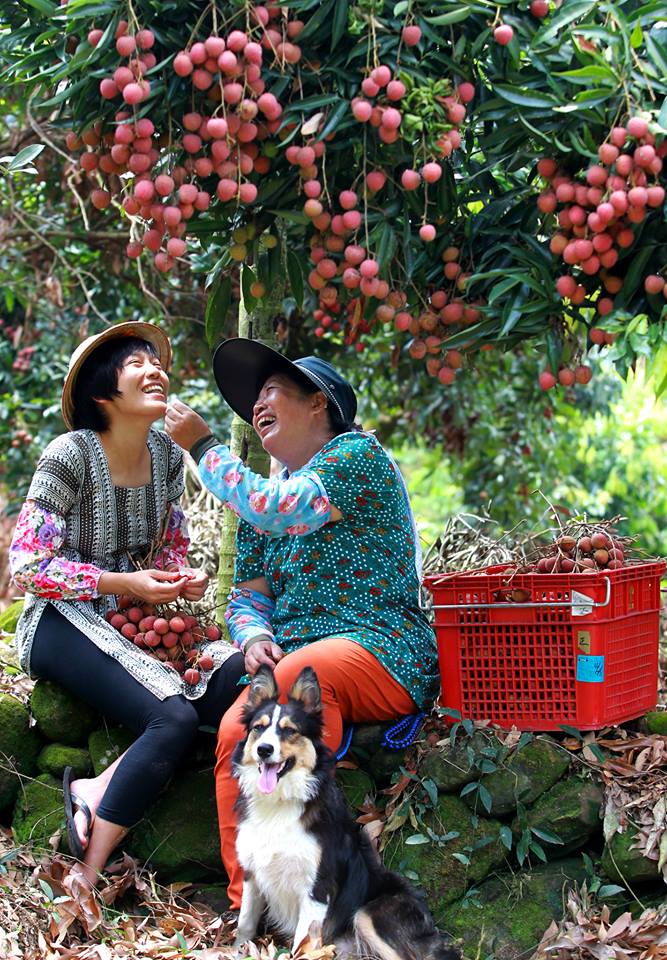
x=143, y=387
x=291, y=423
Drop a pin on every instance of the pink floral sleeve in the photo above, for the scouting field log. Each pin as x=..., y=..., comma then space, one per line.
x=176, y=541
x=35, y=564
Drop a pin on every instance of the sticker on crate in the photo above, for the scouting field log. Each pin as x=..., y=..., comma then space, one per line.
x=590, y=669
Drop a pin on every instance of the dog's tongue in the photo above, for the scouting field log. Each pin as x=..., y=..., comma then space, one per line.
x=268, y=777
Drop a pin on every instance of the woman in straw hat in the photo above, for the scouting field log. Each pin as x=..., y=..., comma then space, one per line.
x=328, y=562
x=105, y=497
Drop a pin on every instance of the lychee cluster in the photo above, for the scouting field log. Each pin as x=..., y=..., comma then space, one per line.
x=217, y=149
x=175, y=638
x=596, y=216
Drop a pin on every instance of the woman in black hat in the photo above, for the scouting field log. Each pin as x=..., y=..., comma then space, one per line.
x=327, y=569
x=104, y=495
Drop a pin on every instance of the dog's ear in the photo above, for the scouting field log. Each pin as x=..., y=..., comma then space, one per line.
x=306, y=691
x=263, y=687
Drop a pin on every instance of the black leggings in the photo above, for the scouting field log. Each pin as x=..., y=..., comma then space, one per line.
x=165, y=728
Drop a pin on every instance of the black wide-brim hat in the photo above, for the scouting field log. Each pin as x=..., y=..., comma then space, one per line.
x=241, y=367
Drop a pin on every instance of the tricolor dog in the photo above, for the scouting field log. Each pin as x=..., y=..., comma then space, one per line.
x=305, y=860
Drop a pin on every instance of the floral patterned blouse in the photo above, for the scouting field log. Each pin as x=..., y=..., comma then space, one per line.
x=356, y=578
x=76, y=524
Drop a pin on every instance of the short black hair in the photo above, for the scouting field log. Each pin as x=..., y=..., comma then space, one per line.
x=98, y=380
x=308, y=389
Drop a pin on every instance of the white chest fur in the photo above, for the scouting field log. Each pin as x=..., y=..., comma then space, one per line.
x=282, y=857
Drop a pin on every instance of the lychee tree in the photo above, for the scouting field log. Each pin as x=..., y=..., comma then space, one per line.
x=431, y=179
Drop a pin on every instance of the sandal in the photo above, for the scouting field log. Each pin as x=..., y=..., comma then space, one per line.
x=76, y=848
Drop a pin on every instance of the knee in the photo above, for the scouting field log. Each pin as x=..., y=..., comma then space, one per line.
x=177, y=721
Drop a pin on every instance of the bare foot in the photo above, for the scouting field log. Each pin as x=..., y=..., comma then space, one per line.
x=88, y=791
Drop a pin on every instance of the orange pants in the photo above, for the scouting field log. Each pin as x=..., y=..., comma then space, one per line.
x=355, y=689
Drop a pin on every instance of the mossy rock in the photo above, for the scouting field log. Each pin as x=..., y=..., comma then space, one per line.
x=106, y=744
x=508, y=914
x=179, y=834
x=39, y=811
x=437, y=868
x=10, y=617
x=570, y=810
x=527, y=774
x=624, y=865
x=384, y=764
x=656, y=721
x=60, y=715
x=355, y=784
x=367, y=738
x=453, y=765
x=54, y=757
x=19, y=747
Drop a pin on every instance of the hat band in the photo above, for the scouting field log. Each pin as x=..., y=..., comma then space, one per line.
x=324, y=387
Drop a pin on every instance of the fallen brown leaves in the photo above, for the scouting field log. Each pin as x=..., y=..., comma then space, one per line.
x=47, y=914
x=635, y=782
x=588, y=933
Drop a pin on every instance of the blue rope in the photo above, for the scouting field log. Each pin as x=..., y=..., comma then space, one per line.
x=392, y=739
x=345, y=745
x=408, y=726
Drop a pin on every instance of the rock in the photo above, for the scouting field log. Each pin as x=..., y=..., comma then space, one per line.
x=384, y=764
x=367, y=738
x=56, y=756
x=624, y=865
x=451, y=767
x=442, y=875
x=656, y=721
x=527, y=774
x=39, y=811
x=10, y=617
x=19, y=747
x=355, y=784
x=508, y=915
x=179, y=834
x=106, y=744
x=570, y=810
x=61, y=716
x=212, y=896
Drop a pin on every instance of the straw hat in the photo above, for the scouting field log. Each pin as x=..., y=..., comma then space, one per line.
x=144, y=331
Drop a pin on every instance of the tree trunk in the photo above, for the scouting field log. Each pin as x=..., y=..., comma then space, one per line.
x=244, y=442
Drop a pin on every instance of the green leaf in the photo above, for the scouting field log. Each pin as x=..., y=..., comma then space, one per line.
x=401, y=7
x=506, y=837
x=48, y=9
x=25, y=156
x=295, y=277
x=315, y=22
x=469, y=787
x=591, y=72
x=46, y=889
x=523, y=97
x=662, y=116
x=567, y=13
x=454, y=16
x=610, y=890
x=431, y=790
x=547, y=836
x=461, y=857
x=538, y=851
x=637, y=36
x=572, y=732
x=415, y=839
x=339, y=22
x=248, y=277
x=486, y=798
x=216, y=311
x=386, y=247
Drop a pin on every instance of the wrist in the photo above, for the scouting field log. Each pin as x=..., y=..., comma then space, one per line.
x=245, y=646
x=112, y=583
x=202, y=446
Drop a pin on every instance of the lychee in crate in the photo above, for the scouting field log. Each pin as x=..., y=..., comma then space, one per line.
x=544, y=650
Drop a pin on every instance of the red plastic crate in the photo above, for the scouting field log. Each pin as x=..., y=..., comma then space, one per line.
x=582, y=652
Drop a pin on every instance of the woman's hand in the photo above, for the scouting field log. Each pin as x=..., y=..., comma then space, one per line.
x=183, y=425
x=262, y=651
x=196, y=584
x=155, y=586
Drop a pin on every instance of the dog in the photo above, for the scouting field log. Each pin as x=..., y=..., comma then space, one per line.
x=309, y=868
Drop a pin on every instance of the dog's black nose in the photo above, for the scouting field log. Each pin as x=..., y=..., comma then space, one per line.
x=264, y=750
